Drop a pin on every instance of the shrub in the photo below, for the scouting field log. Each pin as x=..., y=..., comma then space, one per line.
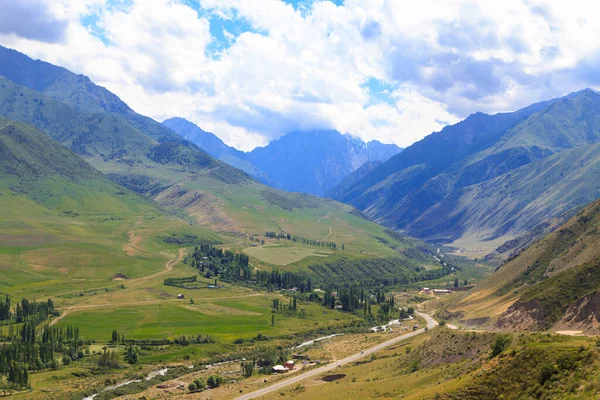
x=500, y=344
x=66, y=360
x=192, y=387
x=214, y=381
x=200, y=384
x=546, y=373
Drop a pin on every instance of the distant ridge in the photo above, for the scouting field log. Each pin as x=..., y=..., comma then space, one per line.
x=308, y=162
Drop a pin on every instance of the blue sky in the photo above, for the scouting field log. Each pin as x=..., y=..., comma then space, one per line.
x=253, y=70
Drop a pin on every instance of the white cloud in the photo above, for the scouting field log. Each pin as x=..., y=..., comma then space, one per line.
x=310, y=68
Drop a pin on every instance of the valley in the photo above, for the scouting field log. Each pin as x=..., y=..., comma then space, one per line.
x=153, y=254
x=146, y=260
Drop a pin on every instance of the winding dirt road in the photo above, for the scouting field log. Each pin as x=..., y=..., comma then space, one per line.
x=329, y=367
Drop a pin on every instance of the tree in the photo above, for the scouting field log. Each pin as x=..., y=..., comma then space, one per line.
x=192, y=387
x=54, y=365
x=248, y=369
x=214, y=381
x=456, y=282
x=115, y=337
x=131, y=355
x=272, y=319
x=66, y=360
x=200, y=384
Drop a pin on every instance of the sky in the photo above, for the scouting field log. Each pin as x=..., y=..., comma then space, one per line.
x=251, y=71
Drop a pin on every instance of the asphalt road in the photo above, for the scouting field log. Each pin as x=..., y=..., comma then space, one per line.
x=330, y=367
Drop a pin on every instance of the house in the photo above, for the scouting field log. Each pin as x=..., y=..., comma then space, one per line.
x=180, y=296
x=280, y=369
x=426, y=290
x=441, y=291
x=289, y=364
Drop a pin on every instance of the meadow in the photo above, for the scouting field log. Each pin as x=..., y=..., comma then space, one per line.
x=280, y=254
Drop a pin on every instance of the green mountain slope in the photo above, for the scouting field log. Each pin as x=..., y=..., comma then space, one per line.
x=470, y=182
x=110, y=143
x=62, y=221
x=35, y=167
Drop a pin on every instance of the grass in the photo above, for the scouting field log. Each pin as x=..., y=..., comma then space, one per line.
x=284, y=255
x=223, y=320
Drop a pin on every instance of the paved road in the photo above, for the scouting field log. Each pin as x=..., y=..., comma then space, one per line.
x=329, y=367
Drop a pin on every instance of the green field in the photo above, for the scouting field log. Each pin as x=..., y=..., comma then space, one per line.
x=222, y=320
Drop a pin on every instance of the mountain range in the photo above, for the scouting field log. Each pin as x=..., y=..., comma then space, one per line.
x=309, y=162
x=176, y=175
x=490, y=178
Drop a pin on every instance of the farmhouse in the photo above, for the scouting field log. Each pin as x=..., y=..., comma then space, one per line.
x=289, y=365
x=280, y=369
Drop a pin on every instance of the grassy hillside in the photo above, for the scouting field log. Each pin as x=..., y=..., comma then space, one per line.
x=62, y=221
x=552, y=283
x=251, y=209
